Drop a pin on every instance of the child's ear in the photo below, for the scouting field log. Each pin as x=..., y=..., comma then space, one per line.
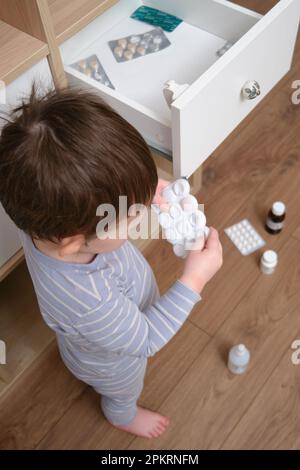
x=71, y=245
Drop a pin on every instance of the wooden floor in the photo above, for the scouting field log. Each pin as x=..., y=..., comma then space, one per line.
x=46, y=408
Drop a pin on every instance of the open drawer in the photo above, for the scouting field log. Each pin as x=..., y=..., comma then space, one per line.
x=216, y=100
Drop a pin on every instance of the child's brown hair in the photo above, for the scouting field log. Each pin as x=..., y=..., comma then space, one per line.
x=64, y=154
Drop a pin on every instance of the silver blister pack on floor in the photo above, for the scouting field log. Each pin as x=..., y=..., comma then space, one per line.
x=244, y=236
x=139, y=45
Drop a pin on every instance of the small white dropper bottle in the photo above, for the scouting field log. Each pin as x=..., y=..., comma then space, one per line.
x=238, y=359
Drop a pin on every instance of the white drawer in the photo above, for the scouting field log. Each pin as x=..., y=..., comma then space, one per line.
x=213, y=105
x=9, y=240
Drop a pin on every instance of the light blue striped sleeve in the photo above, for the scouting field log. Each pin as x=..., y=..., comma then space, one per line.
x=117, y=324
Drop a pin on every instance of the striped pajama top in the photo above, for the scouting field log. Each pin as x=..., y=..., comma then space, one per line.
x=106, y=313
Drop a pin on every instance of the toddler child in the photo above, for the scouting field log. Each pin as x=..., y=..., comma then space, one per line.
x=61, y=156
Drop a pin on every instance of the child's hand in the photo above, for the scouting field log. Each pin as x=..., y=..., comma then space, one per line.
x=158, y=199
x=201, y=266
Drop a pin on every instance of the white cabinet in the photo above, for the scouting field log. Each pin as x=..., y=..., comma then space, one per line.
x=214, y=103
x=20, y=88
x=9, y=239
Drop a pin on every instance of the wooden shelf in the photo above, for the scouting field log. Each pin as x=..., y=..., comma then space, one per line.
x=18, y=52
x=70, y=16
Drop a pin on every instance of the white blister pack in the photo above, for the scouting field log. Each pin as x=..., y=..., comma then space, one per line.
x=181, y=219
x=244, y=236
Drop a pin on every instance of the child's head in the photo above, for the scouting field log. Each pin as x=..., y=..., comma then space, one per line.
x=63, y=155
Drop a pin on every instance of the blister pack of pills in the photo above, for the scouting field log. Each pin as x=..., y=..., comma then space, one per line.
x=139, y=45
x=181, y=219
x=92, y=67
x=244, y=236
x=156, y=17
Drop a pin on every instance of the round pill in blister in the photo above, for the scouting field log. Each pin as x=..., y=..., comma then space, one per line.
x=88, y=72
x=197, y=219
x=173, y=236
x=135, y=39
x=157, y=39
x=131, y=47
x=181, y=226
x=175, y=211
x=153, y=47
x=179, y=250
x=145, y=43
x=169, y=195
x=189, y=203
x=128, y=54
x=181, y=187
x=165, y=220
x=118, y=51
x=141, y=50
x=82, y=64
x=122, y=43
x=147, y=37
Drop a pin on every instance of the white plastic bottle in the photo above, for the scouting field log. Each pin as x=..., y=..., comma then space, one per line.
x=238, y=359
x=268, y=262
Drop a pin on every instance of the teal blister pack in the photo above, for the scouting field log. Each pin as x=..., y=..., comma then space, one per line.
x=156, y=18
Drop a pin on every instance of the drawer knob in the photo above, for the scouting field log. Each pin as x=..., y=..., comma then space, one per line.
x=251, y=89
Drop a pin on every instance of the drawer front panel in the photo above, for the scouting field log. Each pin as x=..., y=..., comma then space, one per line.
x=205, y=114
x=157, y=132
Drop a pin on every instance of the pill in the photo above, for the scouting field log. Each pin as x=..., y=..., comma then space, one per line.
x=128, y=54
x=88, y=72
x=197, y=219
x=175, y=211
x=181, y=226
x=118, y=51
x=179, y=250
x=131, y=47
x=82, y=64
x=135, y=39
x=169, y=194
x=189, y=203
x=157, y=39
x=141, y=50
x=122, y=43
x=173, y=236
x=181, y=187
x=144, y=43
x=165, y=220
x=153, y=47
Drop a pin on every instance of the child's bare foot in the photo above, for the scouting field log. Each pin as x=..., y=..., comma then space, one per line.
x=146, y=424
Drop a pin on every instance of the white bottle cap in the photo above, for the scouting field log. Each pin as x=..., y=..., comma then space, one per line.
x=241, y=349
x=270, y=258
x=278, y=208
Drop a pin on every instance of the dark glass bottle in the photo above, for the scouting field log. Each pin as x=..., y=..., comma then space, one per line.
x=275, y=219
